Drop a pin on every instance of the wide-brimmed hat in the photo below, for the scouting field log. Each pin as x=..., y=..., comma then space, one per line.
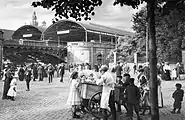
x=104, y=68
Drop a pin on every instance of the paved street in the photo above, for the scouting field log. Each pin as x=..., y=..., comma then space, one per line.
x=48, y=102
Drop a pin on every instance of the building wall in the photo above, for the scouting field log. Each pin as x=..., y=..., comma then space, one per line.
x=82, y=52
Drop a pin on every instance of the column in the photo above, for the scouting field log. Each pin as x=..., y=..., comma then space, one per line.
x=92, y=55
x=1, y=52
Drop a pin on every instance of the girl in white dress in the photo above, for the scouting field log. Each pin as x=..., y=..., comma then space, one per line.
x=12, y=89
x=74, y=94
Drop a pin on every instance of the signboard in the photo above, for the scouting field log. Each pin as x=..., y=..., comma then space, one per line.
x=81, y=56
x=62, y=32
x=27, y=35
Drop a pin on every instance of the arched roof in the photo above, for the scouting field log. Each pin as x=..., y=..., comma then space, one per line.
x=27, y=32
x=105, y=29
x=78, y=29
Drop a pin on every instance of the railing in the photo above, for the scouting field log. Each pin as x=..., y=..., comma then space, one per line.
x=33, y=43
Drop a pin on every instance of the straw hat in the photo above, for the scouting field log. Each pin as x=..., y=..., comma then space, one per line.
x=104, y=68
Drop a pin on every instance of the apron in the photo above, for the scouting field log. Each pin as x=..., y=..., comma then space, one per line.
x=107, y=87
x=105, y=97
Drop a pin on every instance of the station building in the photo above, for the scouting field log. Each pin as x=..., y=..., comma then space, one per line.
x=85, y=42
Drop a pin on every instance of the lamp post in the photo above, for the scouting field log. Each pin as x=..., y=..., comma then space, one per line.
x=1, y=52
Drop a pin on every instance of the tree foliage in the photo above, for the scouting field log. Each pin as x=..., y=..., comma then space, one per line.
x=79, y=9
x=169, y=31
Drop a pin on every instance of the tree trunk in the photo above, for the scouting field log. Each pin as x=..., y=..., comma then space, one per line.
x=152, y=59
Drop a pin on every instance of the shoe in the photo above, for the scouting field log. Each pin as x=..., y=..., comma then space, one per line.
x=173, y=112
x=76, y=116
x=27, y=90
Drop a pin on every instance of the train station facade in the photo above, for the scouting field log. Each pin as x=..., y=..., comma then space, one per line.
x=84, y=42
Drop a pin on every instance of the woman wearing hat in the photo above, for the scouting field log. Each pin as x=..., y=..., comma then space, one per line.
x=107, y=99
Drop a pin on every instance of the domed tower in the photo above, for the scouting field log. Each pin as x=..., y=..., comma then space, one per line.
x=34, y=19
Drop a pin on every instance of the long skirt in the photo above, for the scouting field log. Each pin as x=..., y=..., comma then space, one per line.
x=177, y=104
x=11, y=91
x=74, y=97
x=160, y=97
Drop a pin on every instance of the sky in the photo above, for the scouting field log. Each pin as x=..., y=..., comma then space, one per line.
x=16, y=13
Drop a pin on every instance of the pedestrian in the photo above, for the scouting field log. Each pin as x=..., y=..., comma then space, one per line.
x=40, y=73
x=74, y=95
x=107, y=99
x=126, y=81
x=7, y=81
x=178, y=95
x=50, y=72
x=145, y=101
x=174, y=74
x=178, y=70
x=28, y=75
x=118, y=69
x=61, y=72
x=167, y=71
x=35, y=72
x=133, y=96
x=21, y=73
x=126, y=68
x=135, y=68
x=12, y=91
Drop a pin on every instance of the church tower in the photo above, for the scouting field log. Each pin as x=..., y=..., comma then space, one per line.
x=34, y=19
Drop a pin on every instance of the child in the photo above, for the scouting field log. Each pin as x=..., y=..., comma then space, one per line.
x=178, y=97
x=74, y=94
x=132, y=97
x=12, y=91
x=144, y=91
x=174, y=74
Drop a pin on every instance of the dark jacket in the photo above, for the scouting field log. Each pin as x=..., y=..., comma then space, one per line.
x=132, y=94
x=28, y=75
x=118, y=70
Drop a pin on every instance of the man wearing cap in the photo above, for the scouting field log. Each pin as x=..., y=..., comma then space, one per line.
x=107, y=98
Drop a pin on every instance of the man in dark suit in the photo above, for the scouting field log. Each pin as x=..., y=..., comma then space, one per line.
x=28, y=76
x=61, y=72
x=119, y=70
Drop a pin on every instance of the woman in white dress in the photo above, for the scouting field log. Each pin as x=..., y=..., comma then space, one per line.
x=160, y=97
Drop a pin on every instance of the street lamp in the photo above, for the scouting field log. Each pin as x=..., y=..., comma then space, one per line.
x=1, y=51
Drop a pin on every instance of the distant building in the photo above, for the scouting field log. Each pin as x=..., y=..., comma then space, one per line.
x=34, y=19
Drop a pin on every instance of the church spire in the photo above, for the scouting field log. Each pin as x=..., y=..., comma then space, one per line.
x=34, y=19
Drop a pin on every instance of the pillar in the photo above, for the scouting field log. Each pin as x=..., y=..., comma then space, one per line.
x=1, y=52
x=92, y=55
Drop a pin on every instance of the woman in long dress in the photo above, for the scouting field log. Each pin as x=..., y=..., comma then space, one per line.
x=160, y=96
x=7, y=81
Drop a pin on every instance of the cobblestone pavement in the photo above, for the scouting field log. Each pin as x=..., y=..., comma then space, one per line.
x=48, y=102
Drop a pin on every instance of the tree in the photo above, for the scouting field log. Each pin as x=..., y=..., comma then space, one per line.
x=169, y=32
x=125, y=49
x=83, y=8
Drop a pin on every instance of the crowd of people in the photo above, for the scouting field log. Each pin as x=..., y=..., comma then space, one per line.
x=133, y=97
x=34, y=71
x=134, y=91
x=169, y=73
